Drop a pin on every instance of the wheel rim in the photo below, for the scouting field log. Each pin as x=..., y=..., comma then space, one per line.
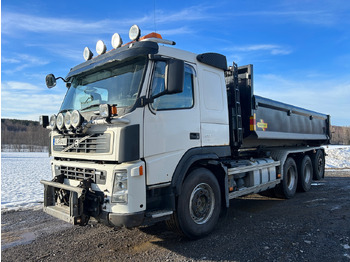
x=320, y=164
x=202, y=203
x=291, y=176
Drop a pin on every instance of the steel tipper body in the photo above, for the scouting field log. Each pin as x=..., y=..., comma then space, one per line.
x=148, y=132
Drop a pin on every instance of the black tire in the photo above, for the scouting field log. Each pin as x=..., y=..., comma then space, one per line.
x=288, y=186
x=318, y=164
x=198, y=206
x=305, y=173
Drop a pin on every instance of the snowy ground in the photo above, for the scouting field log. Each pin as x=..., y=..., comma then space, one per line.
x=21, y=173
x=338, y=157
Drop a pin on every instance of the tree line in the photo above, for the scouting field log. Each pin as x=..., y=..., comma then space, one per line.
x=23, y=135
x=340, y=135
x=19, y=135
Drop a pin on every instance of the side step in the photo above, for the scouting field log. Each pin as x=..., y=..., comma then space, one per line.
x=254, y=189
x=159, y=213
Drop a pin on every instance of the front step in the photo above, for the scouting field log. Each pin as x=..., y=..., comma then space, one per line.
x=159, y=213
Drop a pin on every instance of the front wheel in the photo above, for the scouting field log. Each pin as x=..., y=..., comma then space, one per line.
x=199, y=204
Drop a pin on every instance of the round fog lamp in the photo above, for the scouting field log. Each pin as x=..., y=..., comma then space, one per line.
x=67, y=120
x=87, y=54
x=100, y=47
x=52, y=123
x=60, y=121
x=116, y=41
x=76, y=118
x=134, y=33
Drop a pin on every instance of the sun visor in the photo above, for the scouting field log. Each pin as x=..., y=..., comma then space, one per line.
x=127, y=51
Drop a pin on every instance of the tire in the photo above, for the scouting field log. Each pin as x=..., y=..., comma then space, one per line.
x=318, y=164
x=288, y=186
x=305, y=173
x=198, y=205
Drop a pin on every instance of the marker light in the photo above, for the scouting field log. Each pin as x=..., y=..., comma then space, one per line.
x=116, y=41
x=151, y=35
x=76, y=118
x=100, y=47
x=60, y=121
x=52, y=123
x=104, y=110
x=134, y=33
x=87, y=54
x=67, y=120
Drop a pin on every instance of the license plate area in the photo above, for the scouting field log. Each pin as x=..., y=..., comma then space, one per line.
x=60, y=141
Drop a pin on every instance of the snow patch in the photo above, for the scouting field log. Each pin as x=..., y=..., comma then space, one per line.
x=338, y=157
x=21, y=173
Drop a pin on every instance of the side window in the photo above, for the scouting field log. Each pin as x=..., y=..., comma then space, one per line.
x=174, y=101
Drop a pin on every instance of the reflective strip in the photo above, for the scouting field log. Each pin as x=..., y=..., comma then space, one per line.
x=253, y=123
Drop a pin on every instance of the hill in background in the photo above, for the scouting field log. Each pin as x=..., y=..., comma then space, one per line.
x=25, y=135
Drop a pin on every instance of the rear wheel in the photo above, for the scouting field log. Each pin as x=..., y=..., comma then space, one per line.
x=288, y=186
x=318, y=163
x=305, y=172
x=198, y=206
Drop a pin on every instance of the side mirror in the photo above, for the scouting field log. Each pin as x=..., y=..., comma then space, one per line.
x=50, y=81
x=44, y=121
x=174, y=78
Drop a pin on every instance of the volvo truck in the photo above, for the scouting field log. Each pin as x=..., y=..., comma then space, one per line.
x=147, y=132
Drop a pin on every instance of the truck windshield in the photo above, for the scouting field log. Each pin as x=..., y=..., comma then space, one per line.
x=118, y=85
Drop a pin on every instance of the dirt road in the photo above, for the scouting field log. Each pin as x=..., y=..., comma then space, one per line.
x=313, y=226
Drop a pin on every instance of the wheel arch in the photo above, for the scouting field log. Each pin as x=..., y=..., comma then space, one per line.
x=206, y=157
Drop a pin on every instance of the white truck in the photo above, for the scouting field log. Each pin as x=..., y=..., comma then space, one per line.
x=147, y=132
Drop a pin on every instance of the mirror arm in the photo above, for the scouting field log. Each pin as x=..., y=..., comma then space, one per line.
x=143, y=101
x=64, y=80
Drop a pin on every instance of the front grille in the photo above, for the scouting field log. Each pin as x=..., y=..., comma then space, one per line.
x=81, y=173
x=97, y=143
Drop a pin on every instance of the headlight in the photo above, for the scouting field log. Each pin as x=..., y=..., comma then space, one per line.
x=104, y=110
x=52, y=123
x=76, y=118
x=60, y=121
x=120, y=187
x=67, y=120
x=134, y=33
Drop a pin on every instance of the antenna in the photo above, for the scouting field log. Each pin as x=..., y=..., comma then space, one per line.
x=154, y=15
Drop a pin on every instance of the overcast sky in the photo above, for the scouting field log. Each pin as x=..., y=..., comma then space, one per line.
x=300, y=49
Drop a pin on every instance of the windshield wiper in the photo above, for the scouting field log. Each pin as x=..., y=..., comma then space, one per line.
x=90, y=106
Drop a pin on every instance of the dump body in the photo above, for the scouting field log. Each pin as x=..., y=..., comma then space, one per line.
x=277, y=124
x=269, y=123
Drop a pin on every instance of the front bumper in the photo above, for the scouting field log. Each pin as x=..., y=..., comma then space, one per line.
x=81, y=203
x=84, y=200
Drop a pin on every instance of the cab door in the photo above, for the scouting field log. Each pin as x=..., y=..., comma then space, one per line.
x=171, y=124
